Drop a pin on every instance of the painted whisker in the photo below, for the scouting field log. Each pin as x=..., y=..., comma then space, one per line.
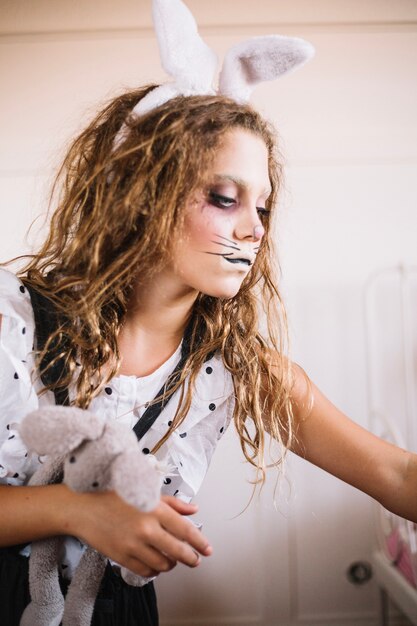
x=220, y=253
x=247, y=257
x=225, y=238
x=219, y=243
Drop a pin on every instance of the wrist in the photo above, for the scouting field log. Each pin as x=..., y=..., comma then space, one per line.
x=72, y=512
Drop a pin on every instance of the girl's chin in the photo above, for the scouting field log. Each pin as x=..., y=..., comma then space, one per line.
x=223, y=293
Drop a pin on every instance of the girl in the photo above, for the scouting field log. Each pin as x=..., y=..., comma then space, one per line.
x=159, y=252
x=167, y=243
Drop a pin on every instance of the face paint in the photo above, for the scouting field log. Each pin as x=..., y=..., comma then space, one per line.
x=258, y=232
x=233, y=257
x=223, y=227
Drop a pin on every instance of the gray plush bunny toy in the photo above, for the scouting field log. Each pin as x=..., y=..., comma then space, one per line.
x=92, y=454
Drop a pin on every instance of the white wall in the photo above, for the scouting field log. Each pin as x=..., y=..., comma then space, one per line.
x=349, y=133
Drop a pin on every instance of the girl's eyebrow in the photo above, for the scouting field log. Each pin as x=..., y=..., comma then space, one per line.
x=240, y=182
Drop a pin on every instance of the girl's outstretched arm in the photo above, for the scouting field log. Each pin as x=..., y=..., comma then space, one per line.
x=326, y=437
x=146, y=543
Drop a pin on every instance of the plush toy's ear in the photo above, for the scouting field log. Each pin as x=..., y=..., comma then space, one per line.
x=136, y=479
x=58, y=429
x=259, y=59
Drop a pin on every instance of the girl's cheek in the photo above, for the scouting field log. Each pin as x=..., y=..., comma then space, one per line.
x=218, y=218
x=208, y=221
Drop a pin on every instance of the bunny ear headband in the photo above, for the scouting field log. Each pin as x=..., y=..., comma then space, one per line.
x=192, y=64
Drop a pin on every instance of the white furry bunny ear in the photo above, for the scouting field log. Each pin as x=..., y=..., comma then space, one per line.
x=260, y=59
x=184, y=56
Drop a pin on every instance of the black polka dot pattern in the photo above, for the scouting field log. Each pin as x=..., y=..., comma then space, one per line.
x=209, y=374
x=22, y=289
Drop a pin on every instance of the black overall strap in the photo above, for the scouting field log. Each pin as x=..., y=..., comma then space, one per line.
x=154, y=410
x=47, y=321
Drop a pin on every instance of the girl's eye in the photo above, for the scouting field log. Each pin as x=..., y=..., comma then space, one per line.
x=223, y=202
x=263, y=211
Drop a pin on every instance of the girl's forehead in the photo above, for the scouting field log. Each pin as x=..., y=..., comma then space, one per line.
x=242, y=159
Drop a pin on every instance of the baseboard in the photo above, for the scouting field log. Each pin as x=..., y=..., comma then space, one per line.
x=366, y=621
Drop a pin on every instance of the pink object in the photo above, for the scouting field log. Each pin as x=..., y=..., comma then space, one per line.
x=258, y=232
x=400, y=554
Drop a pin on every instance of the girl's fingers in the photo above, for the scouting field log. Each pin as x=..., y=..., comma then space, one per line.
x=185, y=531
x=184, y=508
x=174, y=549
x=150, y=562
x=160, y=551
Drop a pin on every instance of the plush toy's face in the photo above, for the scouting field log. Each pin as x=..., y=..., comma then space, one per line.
x=97, y=454
x=87, y=468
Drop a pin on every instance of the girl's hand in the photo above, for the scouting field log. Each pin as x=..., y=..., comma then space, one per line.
x=145, y=543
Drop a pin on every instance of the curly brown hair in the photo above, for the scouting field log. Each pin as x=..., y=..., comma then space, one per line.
x=116, y=210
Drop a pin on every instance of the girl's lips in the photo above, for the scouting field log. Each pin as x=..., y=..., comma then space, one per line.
x=239, y=260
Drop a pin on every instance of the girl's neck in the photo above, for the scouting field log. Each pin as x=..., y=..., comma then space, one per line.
x=154, y=325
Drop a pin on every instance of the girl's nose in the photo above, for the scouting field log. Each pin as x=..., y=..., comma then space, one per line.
x=249, y=226
x=258, y=232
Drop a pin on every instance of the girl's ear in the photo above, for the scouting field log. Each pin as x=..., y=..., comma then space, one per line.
x=260, y=59
x=56, y=430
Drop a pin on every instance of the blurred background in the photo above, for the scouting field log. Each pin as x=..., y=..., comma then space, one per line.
x=348, y=132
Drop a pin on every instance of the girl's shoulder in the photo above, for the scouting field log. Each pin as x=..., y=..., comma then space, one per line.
x=8, y=279
x=15, y=300
x=17, y=328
